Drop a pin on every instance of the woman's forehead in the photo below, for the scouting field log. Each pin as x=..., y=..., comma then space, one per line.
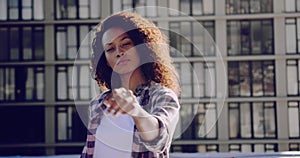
x=113, y=34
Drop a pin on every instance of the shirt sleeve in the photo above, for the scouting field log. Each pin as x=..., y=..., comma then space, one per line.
x=165, y=108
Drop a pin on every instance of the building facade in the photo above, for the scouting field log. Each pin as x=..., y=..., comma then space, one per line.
x=247, y=95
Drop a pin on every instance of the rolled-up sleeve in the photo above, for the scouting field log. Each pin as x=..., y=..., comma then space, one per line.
x=165, y=108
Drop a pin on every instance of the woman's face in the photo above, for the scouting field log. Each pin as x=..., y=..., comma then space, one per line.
x=120, y=51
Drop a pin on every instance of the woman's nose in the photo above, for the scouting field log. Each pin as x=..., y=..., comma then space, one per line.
x=120, y=51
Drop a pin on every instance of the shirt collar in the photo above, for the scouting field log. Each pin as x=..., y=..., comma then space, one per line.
x=142, y=87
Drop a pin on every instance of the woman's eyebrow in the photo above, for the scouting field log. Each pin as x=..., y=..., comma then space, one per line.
x=123, y=38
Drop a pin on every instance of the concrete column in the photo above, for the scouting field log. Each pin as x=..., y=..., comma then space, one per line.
x=221, y=72
x=278, y=6
x=106, y=8
x=220, y=7
x=49, y=77
x=280, y=71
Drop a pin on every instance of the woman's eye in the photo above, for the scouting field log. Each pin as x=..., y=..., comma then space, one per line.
x=127, y=44
x=109, y=50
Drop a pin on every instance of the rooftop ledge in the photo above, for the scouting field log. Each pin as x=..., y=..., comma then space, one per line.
x=195, y=155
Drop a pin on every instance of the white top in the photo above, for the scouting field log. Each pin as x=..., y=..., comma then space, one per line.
x=114, y=137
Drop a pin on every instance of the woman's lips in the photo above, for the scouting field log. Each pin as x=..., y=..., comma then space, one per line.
x=122, y=61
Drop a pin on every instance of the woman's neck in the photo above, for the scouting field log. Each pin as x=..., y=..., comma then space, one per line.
x=132, y=80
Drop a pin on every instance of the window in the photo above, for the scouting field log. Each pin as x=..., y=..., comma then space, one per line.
x=292, y=5
x=142, y=7
x=292, y=35
x=21, y=83
x=293, y=77
x=250, y=37
x=74, y=83
x=192, y=38
x=252, y=120
x=78, y=9
x=294, y=147
x=249, y=6
x=197, y=79
x=69, y=126
x=21, y=10
x=256, y=148
x=294, y=110
x=23, y=124
x=251, y=78
x=209, y=148
x=198, y=121
x=70, y=38
x=191, y=7
x=22, y=43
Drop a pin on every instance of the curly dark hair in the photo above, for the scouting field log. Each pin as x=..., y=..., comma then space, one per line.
x=151, y=44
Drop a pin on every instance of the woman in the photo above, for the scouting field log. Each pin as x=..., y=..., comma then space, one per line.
x=137, y=112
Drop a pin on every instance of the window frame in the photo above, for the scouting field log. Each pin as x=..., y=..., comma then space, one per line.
x=69, y=88
x=134, y=7
x=250, y=76
x=37, y=69
x=190, y=133
x=295, y=65
x=237, y=106
x=248, y=10
x=19, y=8
x=35, y=30
x=295, y=9
x=202, y=84
x=297, y=108
x=77, y=10
x=238, y=147
x=78, y=43
x=190, y=13
x=71, y=116
x=207, y=31
x=296, y=24
x=265, y=45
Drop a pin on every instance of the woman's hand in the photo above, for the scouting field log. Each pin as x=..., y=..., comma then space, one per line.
x=122, y=101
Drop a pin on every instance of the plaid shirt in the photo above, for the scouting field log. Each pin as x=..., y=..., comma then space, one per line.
x=161, y=102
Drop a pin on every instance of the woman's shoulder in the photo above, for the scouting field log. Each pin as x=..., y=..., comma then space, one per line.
x=158, y=89
x=97, y=99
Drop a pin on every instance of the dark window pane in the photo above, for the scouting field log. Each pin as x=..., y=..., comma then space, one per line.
x=23, y=124
x=14, y=44
x=244, y=79
x=27, y=43
x=249, y=6
x=254, y=78
x=4, y=52
x=22, y=43
x=39, y=44
x=28, y=151
x=252, y=37
x=257, y=76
